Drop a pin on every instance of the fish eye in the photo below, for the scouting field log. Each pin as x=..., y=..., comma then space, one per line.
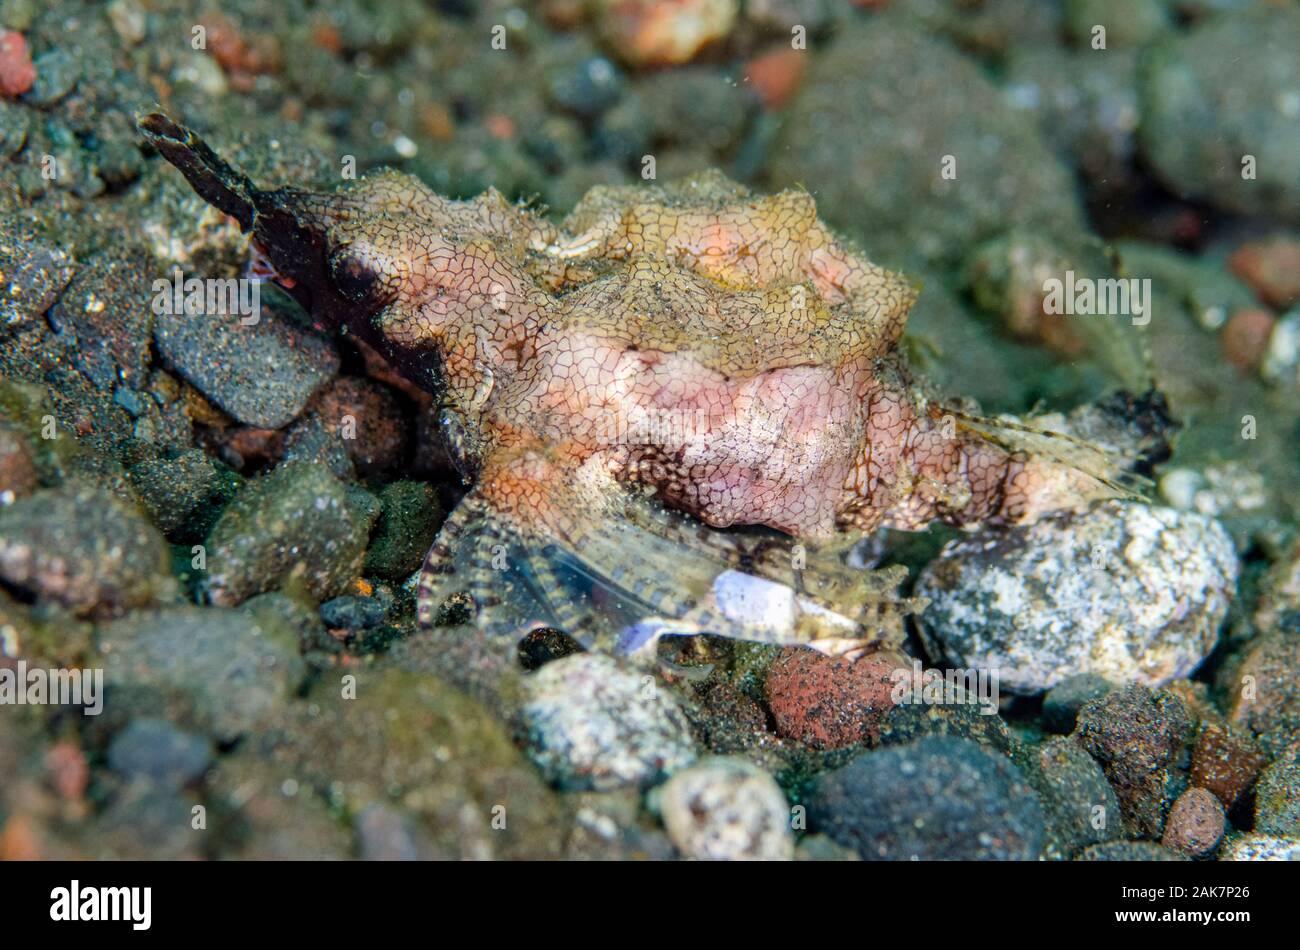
x=354, y=275
x=459, y=447
x=449, y=421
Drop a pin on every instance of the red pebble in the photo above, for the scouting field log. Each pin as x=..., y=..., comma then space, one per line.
x=16, y=70
x=67, y=769
x=828, y=703
x=1225, y=762
x=1245, y=338
x=1195, y=823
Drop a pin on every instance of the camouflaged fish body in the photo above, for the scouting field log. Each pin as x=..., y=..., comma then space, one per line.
x=666, y=362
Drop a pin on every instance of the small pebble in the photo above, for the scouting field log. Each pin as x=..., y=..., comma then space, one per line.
x=775, y=75
x=158, y=751
x=57, y=72
x=1277, y=796
x=261, y=373
x=67, y=769
x=128, y=20
x=386, y=833
x=726, y=809
x=354, y=613
x=1282, y=358
x=593, y=724
x=84, y=548
x=589, y=88
x=365, y=418
x=300, y=523
x=1195, y=823
x=183, y=494
x=1225, y=762
x=829, y=703
x=1264, y=687
x=1245, y=338
x=1062, y=702
x=1256, y=847
x=1271, y=268
x=652, y=33
x=18, y=477
x=1080, y=806
x=542, y=645
x=14, y=127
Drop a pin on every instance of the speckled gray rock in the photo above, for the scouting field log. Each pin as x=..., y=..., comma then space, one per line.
x=296, y=523
x=1127, y=22
x=1086, y=106
x=1063, y=701
x=1227, y=89
x=36, y=273
x=1136, y=734
x=183, y=494
x=261, y=373
x=413, y=743
x=160, y=753
x=1131, y=851
x=1128, y=591
x=850, y=126
x=221, y=671
x=1277, y=796
x=593, y=724
x=1258, y=847
x=103, y=318
x=84, y=548
x=940, y=798
x=408, y=520
x=1080, y=806
x=726, y=809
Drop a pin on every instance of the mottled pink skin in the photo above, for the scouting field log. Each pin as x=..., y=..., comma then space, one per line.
x=769, y=449
x=809, y=448
x=803, y=449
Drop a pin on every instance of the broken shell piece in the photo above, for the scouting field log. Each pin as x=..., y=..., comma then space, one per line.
x=772, y=612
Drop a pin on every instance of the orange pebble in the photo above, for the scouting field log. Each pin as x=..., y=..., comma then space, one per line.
x=1271, y=268
x=326, y=36
x=500, y=126
x=776, y=75
x=17, y=74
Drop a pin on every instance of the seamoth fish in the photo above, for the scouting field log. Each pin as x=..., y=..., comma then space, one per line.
x=678, y=408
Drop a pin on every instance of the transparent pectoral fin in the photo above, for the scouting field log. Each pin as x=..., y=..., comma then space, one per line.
x=1098, y=471
x=619, y=580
